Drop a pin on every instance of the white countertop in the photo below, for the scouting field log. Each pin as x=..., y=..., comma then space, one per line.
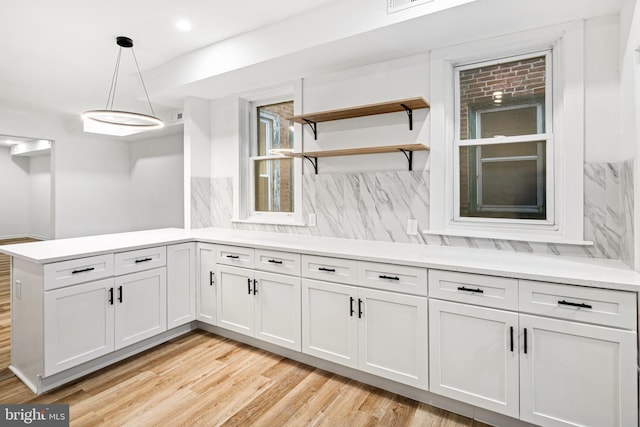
x=572, y=270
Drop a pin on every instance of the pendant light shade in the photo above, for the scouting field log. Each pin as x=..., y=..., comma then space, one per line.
x=116, y=122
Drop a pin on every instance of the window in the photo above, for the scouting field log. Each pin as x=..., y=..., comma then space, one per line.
x=507, y=160
x=503, y=139
x=272, y=173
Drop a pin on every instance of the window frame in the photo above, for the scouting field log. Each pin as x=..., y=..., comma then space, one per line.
x=244, y=185
x=546, y=137
x=566, y=41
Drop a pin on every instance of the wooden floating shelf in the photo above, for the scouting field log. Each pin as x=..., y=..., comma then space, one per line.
x=407, y=105
x=362, y=111
x=406, y=149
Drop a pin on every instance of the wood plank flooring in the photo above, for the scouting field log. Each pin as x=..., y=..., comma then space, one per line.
x=5, y=299
x=205, y=380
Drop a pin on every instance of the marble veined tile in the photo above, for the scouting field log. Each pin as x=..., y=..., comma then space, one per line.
x=627, y=223
x=221, y=201
x=200, y=202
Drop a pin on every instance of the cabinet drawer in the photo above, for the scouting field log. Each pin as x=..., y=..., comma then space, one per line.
x=65, y=273
x=143, y=259
x=278, y=262
x=601, y=306
x=329, y=269
x=236, y=256
x=392, y=277
x=487, y=291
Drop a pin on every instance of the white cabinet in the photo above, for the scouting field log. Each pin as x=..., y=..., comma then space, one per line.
x=473, y=355
x=181, y=284
x=577, y=374
x=206, y=283
x=379, y=332
x=140, y=304
x=259, y=304
x=78, y=324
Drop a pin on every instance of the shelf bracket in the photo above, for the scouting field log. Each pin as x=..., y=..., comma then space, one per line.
x=313, y=161
x=410, y=114
x=314, y=128
x=409, y=155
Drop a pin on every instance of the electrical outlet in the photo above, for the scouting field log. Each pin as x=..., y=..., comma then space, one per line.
x=412, y=227
x=312, y=220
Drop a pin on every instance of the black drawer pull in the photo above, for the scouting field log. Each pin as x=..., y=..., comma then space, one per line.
x=330, y=270
x=464, y=288
x=382, y=276
x=574, y=304
x=255, y=289
x=143, y=260
x=511, y=334
x=233, y=256
x=525, y=340
x=119, y=293
x=211, y=278
x=359, y=308
x=249, y=286
x=111, y=296
x=275, y=261
x=351, y=306
x=84, y=270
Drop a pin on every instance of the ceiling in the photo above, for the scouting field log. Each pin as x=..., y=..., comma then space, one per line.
x=59, y=56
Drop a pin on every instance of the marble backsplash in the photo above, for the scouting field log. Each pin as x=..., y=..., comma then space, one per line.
x=376, y=206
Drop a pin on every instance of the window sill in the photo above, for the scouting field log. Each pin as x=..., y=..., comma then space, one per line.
x=534, y=238
x=266, y=221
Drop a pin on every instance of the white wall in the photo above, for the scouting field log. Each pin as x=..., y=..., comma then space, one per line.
x=14, y=195
x=156, y=185
x=40, y=197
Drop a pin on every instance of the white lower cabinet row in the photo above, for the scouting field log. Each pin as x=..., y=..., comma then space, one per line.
x=549, y=354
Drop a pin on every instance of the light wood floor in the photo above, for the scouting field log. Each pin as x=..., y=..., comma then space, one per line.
x=5, y=310
x=204, y=380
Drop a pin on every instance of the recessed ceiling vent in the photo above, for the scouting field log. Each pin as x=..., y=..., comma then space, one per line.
x=397, y=5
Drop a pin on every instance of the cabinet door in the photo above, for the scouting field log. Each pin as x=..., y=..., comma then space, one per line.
x=235, y=301
x=206, y=283
x=473, y=353
x=329, y=322
x=141, y=306
x=577, y=374
x=277, y=299
x=78, y=325
x=392, y=334
x=181, y=284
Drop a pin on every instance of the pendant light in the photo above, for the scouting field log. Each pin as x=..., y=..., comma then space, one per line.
x=122, y=122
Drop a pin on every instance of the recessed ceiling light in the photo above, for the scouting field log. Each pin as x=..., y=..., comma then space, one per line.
x=183, y=25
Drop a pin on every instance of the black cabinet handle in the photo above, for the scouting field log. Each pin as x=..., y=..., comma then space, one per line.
x=574, y=304
x=119, y=293
x=255, y=289
x=331, y=270
x=111, y=296
x=275, y=261
x=525, y=340
x=351, y=306
x=249, y=286
x=382, y=276
x=511, y=334
x=211, y=278
x=477, y=290
x=359, y=308
x=84, y=270
x=138, y=261
x=233, y=256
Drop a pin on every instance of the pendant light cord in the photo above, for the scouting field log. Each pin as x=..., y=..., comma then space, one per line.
x=142, y=80
x=114, y=82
